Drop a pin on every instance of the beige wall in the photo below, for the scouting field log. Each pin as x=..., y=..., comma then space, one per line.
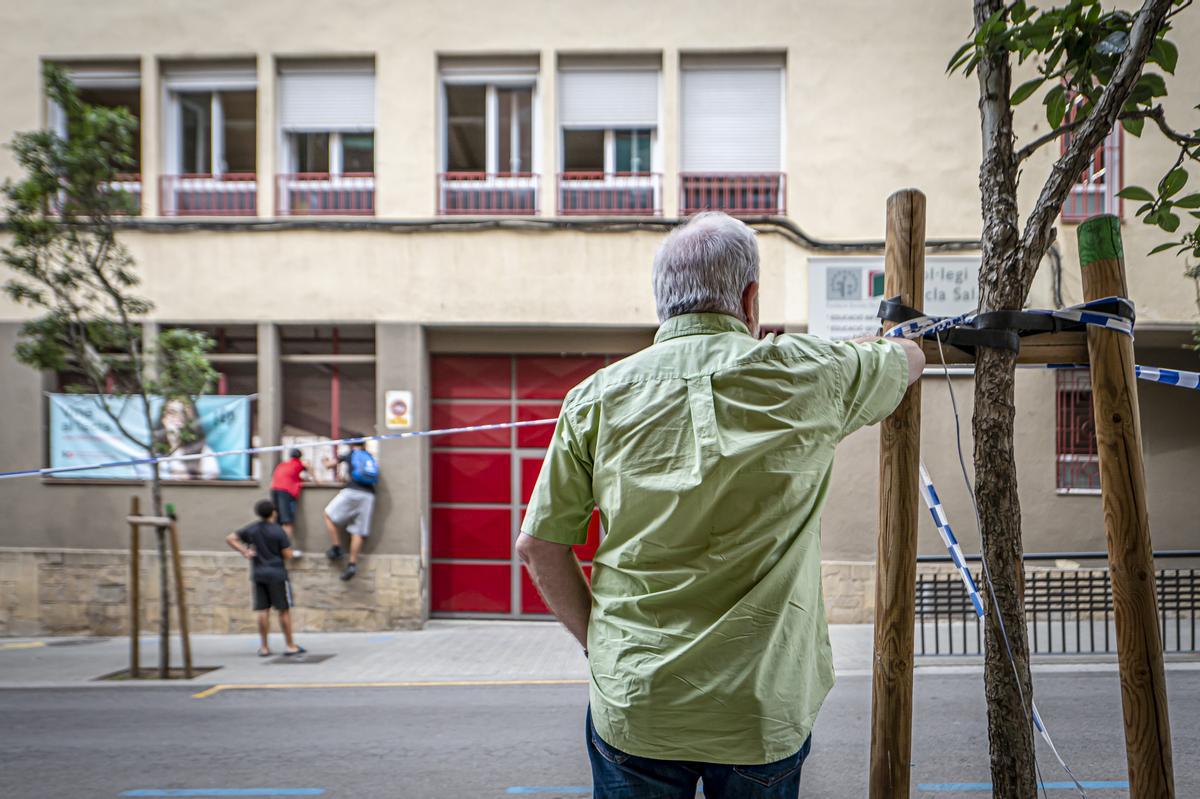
x=868, y=108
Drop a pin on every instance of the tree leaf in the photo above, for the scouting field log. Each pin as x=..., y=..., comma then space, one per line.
x=1026, y=89
x=1173, y=182
x=1134, y=125
x=1168, y=222
x=1135, y=193
x=1190, y=201
x=1154, y=82
x=957, y=58
x=1162, y=247
x=1165, y=54
x=1056, y=106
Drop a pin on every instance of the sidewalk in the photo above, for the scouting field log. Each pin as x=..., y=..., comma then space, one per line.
x=443, y=651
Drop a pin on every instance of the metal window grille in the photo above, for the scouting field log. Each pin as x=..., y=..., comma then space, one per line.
x=1077, y=463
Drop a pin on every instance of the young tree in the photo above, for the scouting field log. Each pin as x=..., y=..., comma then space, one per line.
x=69, y=265
x=1090, y=67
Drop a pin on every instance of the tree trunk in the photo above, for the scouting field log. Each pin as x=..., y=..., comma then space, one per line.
x=164, y=613
x=1001, y=287
x=1010, y=729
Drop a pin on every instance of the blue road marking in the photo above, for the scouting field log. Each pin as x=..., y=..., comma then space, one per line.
x=946, y=787
x=225, y=792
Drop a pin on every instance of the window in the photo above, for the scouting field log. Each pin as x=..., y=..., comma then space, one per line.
x=327, y=138
x=1095, y=192
x=114, y=85
x=487, y=154
x=328, y=387
x=608, y=120
x=731, y=146
x=1078, y=465
x=211, y=140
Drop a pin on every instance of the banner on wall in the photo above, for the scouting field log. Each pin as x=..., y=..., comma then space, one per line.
x=844, y=293
x=82, y=433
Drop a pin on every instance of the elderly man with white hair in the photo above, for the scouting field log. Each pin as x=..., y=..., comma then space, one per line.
x=708, y=455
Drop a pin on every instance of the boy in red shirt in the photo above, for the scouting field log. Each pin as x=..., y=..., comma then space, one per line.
x=285, y=490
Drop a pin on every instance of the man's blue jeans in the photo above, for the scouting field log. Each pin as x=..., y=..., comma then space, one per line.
x=619, y=775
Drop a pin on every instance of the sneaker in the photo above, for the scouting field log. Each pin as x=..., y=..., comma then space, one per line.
x=334, y=553
x=350, y=571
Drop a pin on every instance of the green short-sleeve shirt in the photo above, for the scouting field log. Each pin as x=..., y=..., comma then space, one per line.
x=709, y=455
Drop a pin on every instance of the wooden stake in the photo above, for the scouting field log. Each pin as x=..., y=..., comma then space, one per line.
x=899, y=487
x=1127, y=527
x=134, y=591
x=180, y=600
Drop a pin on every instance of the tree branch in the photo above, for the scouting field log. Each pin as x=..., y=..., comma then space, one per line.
x=1045, y=138
x=1150, y=19
x=1160, y=118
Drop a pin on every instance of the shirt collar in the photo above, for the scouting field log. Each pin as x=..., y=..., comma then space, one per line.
x=699, y=324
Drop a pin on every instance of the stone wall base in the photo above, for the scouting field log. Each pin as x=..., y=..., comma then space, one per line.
x=72, y=591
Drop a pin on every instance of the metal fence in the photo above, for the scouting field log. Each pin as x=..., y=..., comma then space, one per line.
x=1068, y=610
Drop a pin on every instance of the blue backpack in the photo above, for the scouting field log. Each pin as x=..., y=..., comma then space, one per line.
x=363, y=468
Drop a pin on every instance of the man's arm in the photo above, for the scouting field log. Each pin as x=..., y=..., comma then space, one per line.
x=235, y=542
x=912, y=351
x=557, y=575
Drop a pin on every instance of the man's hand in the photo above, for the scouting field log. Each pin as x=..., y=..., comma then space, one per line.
x=556, y=573
x=235, y=542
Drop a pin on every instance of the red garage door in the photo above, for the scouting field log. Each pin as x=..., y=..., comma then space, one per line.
x=481, y=481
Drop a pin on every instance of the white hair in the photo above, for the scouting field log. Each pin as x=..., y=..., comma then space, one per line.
x=704, y=266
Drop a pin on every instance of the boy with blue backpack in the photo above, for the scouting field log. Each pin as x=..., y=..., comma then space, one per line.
x=353, y=505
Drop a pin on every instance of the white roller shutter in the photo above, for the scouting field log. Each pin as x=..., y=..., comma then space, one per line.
x=327, y=101
x=732, y=120
x=608, y=98
x=200, y=77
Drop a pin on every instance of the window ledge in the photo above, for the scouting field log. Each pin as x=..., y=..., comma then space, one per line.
x=1087, y=492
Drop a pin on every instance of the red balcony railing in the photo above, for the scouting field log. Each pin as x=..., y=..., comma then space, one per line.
x=735, y=193
x=232, y=194
x=320, y=193
x=132, y=185
x=488, y=194
x=609, y=194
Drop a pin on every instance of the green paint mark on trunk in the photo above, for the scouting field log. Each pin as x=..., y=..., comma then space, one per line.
x=1100, y=240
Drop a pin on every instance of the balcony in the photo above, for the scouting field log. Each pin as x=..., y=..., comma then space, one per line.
x=131, y=185
x=231, y=194
x=488, y=194
x=735, y=193
x=323, y=194
x=609, y=194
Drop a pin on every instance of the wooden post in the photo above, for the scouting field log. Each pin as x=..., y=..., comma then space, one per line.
x=180, y=600
x=899, y=491
x=134, y=591
x=1130, y=556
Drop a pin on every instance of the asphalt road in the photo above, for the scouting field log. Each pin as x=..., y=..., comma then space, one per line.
x=486, y=741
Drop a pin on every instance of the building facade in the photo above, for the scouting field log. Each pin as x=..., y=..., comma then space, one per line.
x=463, y=202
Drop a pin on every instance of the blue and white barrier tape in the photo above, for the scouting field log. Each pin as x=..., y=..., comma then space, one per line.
x=923, y=326
x=1170, y=377
x=934, y=503
x=274, y=448
x=1085, y=314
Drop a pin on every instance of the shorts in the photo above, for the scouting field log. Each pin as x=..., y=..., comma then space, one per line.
x=285, y=506
x=276, y=595
x=352, y=509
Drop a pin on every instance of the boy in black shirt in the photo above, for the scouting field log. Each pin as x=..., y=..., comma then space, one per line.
x=267, y=547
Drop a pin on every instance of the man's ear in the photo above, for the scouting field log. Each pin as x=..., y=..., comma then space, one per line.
x=750, y=307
